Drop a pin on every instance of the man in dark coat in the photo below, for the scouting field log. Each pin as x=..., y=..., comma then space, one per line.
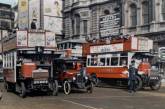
x=132, y=77
x=33, y=24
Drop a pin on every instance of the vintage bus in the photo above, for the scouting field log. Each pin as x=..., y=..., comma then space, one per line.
x=27, y=62
x=111, y=60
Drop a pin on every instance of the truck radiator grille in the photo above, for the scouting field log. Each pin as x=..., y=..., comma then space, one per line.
x=40, y=74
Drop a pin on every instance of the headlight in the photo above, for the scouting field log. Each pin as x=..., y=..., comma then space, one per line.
x=74, y=78
x=141, y=72
x=86, y=77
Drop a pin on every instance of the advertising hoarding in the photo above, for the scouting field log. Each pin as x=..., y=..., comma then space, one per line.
x=34, y=13
x=145, y=45
x=50, y=40
x=53, y=24
x=53, y=8
x=23, y=14
x=36, y=39
x=109, y=24
x=32, y=39
x=22, y=38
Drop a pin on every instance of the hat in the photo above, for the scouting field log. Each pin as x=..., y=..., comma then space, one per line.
x=133, y=61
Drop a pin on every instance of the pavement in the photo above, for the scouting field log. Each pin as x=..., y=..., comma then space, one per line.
x=101, y=98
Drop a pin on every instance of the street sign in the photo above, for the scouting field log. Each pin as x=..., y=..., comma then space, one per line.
x=110, y=25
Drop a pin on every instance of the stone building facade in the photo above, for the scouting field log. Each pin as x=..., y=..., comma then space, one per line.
x=145, y=18
x=6, y=17
x=6, y=21
x=138, y=17
x=81, y=17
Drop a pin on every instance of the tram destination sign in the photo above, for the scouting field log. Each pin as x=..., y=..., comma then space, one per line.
x=107, y=48
x=110, y=25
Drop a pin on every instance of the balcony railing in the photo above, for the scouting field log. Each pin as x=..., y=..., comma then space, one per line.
x=145, y=28
x=132, y=29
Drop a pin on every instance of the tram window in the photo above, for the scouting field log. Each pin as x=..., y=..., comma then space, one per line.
x=102, y=62
x=88, y=62
x=124, y=54
x=93, y=61
x=114, y=61
x=123, y=61
x=108, y=61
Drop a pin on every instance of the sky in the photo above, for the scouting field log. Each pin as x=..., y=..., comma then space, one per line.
x=12, y=2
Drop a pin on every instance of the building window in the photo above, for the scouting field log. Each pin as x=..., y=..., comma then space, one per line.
x=73, y=25
x=145, y=12
x=106, y=12
x=85, y=23
x=133, y=15
x=77, y=17
x=163, y=9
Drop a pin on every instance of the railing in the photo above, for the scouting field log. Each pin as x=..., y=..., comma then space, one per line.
x=145, y=28
x=132, y=29
x=98, y=1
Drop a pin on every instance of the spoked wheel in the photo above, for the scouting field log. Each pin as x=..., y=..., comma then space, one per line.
x=22, y=90
x=95, y=80
x=156, y=86
x=55, y=88
x=90, y=88
x=67, y=87
x=138, y=83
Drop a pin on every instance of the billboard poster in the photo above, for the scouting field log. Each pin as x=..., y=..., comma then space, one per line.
x=21, y=38
x=36, y=39
x=109, y=24
x=106, y=48
x=50, y=40
x=53, y=24
x=34, y=13
x=53, y=8
x=23, y=14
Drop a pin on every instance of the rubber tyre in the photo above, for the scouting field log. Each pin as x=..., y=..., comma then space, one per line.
x=138, y=83
x=157, y=86
x=67, y=87
x=55, y=88
x=95, y=80
x=90, y=88
x=23, y=90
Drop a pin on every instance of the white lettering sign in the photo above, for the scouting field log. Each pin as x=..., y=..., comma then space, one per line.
x=109, y=24
x=106, y=48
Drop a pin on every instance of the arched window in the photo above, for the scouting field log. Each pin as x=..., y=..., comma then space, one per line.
x=77, y=21
x=106, y=12
x=73, y=27
x=145, y=12
x=163, y=9
x=133, y=15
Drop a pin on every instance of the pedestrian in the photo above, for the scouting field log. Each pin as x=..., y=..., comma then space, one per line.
x=132, y=77
x=0, y=94
x=33, y=24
